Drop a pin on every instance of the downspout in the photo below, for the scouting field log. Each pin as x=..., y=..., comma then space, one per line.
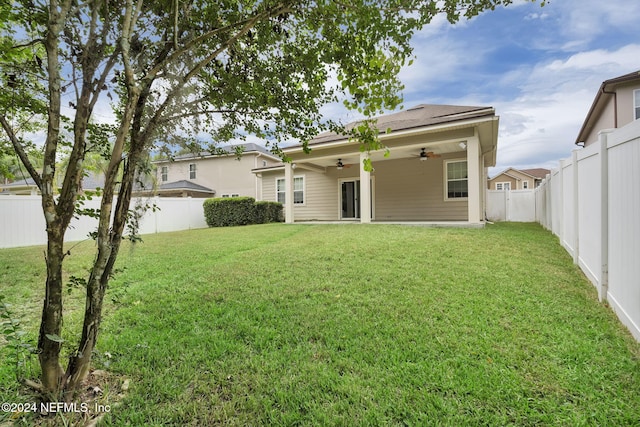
x=255, y=176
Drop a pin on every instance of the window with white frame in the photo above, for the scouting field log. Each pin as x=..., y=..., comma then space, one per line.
x=164, y=173
x=192, y=171
x=636, y=104
x=298, y=190
x=457, y=180
x=525, y=184
x=503, y=186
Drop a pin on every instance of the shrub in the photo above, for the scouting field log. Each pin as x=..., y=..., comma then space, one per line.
x=268, y=212
x=230, y=211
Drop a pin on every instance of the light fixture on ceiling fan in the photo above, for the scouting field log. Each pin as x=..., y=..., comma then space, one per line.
x=424, y=155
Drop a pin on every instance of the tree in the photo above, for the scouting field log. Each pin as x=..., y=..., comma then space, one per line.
x=184, y=67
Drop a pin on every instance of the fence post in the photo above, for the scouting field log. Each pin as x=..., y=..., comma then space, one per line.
x=576, y=206
x=604, y=216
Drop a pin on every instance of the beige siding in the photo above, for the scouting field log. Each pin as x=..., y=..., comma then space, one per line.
x=320, y=194
x=623, y=108
x=226, y=175
x=404, y=190
x=414, y=190
x=516, y=178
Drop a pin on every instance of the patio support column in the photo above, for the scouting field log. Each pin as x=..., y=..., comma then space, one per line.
x=473, y=177
x=288, y=193
x=365, y=191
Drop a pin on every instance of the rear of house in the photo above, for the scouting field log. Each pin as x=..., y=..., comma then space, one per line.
x=435, y=171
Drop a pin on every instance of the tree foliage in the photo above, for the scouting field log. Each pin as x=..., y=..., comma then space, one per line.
x=174, y=70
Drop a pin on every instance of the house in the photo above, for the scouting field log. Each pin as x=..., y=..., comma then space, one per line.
x=436, y=170
x=616, y=104
x=20, y=187
x=518, y=179
x=209, y=175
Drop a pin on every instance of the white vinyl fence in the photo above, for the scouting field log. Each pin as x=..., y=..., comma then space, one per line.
x=511, y=205
x=22, y=221
x=592, y=203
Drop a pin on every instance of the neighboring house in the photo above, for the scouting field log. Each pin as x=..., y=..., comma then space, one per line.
x=28, y=186
x=436, y=170
x=208, y=175
x=518, y=179
x=616, y=104
x=21, y=187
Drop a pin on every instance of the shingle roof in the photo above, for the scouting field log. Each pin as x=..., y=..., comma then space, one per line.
x=29, y=182
x=415, y=117
x=248, y=148
x=184, y=185
x=537, y=172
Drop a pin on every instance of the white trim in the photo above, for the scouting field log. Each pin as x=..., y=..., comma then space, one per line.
x=446, y=180
x=503, y=184
x=636, y=104
x=373, y=197
x=304, y=189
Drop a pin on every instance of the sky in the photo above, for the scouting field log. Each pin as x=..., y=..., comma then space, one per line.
x=539, y=67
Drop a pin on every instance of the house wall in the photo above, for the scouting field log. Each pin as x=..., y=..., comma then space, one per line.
x=414, y=190
x=226, y=175
x=407, y=190
x=516, y=184
x=622, y=105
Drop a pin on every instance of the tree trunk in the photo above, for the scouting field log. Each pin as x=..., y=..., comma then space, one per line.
x=51, y=325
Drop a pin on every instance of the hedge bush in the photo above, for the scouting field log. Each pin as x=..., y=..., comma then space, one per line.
x=230, y=211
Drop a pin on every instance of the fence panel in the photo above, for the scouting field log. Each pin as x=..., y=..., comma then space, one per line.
x=511, y=205
x=624, y=225
x=589, y=212
x=496, y=205
x=23, y=222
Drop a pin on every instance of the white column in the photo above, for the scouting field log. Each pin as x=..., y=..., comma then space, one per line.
x=473, y=177
x=288, y=193
x=365, y=191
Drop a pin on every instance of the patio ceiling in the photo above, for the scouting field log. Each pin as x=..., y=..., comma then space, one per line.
x=441, y=140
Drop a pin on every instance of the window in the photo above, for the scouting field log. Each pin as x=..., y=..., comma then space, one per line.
x=235, y=195
x=192, y=171
x=164, y=173
x=636, y=104
x=457, y=180
x=525, y=184
x=503, y=186
x=298, y=190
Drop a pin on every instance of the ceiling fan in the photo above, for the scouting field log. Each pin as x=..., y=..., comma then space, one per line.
x=340, y=165
x=424, y=155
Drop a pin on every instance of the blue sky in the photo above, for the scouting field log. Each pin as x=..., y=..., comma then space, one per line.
x=539, y=67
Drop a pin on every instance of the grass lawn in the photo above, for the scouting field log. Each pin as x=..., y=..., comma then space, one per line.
x=345, y=325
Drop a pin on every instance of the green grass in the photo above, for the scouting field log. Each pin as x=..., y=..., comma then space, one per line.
x=349, y=325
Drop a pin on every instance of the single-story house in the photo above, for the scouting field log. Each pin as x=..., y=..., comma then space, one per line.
x=436, y=170
x=518, y=179
x=22, y=187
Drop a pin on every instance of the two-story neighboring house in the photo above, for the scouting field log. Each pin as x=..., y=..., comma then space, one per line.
x=616, y=104
x=208, y=175
x=518, y=179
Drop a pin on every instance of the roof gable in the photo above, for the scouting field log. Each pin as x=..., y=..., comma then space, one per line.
x=607, y=88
